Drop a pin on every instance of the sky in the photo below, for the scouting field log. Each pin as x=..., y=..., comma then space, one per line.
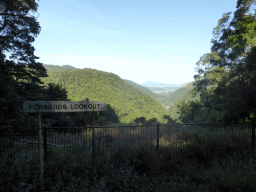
x=138, y=40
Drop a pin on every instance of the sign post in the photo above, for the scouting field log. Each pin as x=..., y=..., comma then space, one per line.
x=93, y=140
x=40, y=150
x=61, y=106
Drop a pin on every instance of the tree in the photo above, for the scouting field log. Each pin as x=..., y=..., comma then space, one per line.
x=55, y=92
x=19, y=71
x=151, y=121
x=9, y=100
x=226, y=76
x=168, y=119
x=140, y=120
x=107, y=117
x=18, y=29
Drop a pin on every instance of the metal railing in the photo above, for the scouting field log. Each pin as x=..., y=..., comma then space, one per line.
x=111, y=138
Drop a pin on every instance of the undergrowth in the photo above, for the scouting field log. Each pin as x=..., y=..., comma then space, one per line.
x=210, y=166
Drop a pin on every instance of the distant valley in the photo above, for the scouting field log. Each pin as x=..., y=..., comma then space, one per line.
x=157, y=84
x=164, y=91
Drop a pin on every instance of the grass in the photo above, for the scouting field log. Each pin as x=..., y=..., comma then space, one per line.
x=186, y=161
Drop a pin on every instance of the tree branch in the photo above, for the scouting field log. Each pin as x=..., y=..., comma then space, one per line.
x=5, y=23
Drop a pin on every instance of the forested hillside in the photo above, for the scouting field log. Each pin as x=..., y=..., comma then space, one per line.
x=181, y=95
x=178, y=94
x=58, y=67
x=146, y=90
x=128, y=102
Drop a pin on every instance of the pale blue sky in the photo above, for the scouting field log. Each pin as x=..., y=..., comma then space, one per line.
x=139, y=40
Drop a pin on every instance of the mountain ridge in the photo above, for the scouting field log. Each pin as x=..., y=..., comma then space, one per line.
x=128, y=102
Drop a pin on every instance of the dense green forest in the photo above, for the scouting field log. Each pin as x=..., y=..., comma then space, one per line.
x=186, y=159
x=225, y=79
x=180, y=96
x=223, y=90
x=58, y=68
x=146, y=90
x=127, y=101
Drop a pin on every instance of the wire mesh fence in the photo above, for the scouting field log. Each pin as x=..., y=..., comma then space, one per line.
x=223, y=134
x=70, y=140
x=19, y=146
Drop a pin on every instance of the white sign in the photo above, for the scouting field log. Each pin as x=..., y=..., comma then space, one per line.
x=63, y=106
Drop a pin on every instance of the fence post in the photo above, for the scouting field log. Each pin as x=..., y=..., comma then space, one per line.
x=253, y=132
x=45, y=144
x=157, y=139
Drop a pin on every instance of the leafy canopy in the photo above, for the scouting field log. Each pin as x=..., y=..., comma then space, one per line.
x=226, y=76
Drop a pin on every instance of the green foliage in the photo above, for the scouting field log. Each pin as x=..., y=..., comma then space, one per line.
x=55, y=92
x=152, y=121
x=181, y=92
x=10, y=99
x=20, y=72
x=107, y=117
x=58, y=68
x=226, y=76
x=179, y=100
x=17, y=33
x=148, y=91
x=140, y=120
x=127, y=101
x=202, y=166
x=17, y=173
x=168, y=119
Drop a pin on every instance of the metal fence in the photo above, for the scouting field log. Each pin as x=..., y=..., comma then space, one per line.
x=19, y=145
x=71, y=140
